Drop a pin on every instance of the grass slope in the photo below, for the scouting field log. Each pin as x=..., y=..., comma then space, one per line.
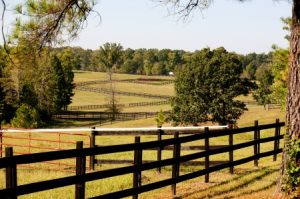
x=247, y=181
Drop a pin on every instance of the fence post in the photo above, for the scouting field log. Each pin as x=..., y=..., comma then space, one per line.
x=206, y=131
x=99, y=119
x=92, y=145
x=276, y=141
x=231, y=151
x=137, y=175
x=159, y=149
x=11, y=173
x=256, y=142
x=176, y=165
x=29, y=145
x=80, y=171
x=1, y=141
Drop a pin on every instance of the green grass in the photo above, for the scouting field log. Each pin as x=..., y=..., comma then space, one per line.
x=247, y=181
x=167, y=89
x=222, y=184
x=82, y=76
x=82, y=98
x=90, y=98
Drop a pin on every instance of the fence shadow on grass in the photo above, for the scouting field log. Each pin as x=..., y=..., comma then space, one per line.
x=228, y=191
x=82, y=123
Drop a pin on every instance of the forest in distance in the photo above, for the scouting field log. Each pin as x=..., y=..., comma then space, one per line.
x=268, y=70
x=150, y=61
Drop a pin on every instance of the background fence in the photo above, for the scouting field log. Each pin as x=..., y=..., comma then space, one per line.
x=10, y=162
x=77, y=115
x=108, y=91
x=100, y=106
x=135, y=81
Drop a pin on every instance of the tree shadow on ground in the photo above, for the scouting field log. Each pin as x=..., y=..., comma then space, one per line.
x=82, y=123
x=230, y=189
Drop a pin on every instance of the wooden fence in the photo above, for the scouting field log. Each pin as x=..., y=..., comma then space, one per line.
x=156, y=82
x=11, y=162
x=159, y=133
x=100, y=106
x=84, y=115
x=108, y=91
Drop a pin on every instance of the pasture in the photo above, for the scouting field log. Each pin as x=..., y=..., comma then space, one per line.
x=81, y=98
x=246, y=182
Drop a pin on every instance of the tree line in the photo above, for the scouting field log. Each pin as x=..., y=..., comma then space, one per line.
x=148, y=61
x=44, y=84
x=34, y=86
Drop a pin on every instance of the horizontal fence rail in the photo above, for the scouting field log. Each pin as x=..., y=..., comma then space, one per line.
x=135, y=81
x=10, y=162
x=31, y=141
x=100, y=106
x=84, y=115
x=108, y=91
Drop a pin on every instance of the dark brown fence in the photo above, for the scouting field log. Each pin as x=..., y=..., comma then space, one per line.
x=159, y=133
x=108, y=91
x=99, y=106
x=11, y=162
x=156, y=82
x=84, y=115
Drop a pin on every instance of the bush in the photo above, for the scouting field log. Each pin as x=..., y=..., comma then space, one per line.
x=160, y=119
x=291, y=181
x=26, y=117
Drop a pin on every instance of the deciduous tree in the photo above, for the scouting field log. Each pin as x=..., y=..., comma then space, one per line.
x=207, y=86
x=110, y=55
x=185, y=8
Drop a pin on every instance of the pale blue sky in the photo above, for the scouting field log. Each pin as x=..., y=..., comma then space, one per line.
x=252, y=26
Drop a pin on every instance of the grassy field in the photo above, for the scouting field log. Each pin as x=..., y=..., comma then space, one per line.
x=247, y=181
x=91, y=98
x=82, y=76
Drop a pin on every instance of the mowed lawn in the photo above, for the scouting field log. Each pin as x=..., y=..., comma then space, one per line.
x=82, y=98
x=247, y=181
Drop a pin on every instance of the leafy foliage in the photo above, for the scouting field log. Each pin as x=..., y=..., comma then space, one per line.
x=265, y=78
x=26, y=117
x=279, y=63
x=252, y=62
x=48, y=21
x=110, y=57
x=64, y=83
x=207, y=86
x=160, y=119
x=291, y=183
x=110, y=54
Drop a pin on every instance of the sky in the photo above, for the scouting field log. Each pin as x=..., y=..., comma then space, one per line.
x=252, y=26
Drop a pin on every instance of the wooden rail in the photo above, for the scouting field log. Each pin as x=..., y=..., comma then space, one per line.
x=130, y=105
x=11, y=162
x=85, y=115
x=107, y=91
x=159, y=132
x=156, y=82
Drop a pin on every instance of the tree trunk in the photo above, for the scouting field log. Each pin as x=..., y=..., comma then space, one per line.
x=293, y=101
x=293, y=106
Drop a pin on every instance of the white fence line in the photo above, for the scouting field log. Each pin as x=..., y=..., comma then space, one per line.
x=111, y=129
